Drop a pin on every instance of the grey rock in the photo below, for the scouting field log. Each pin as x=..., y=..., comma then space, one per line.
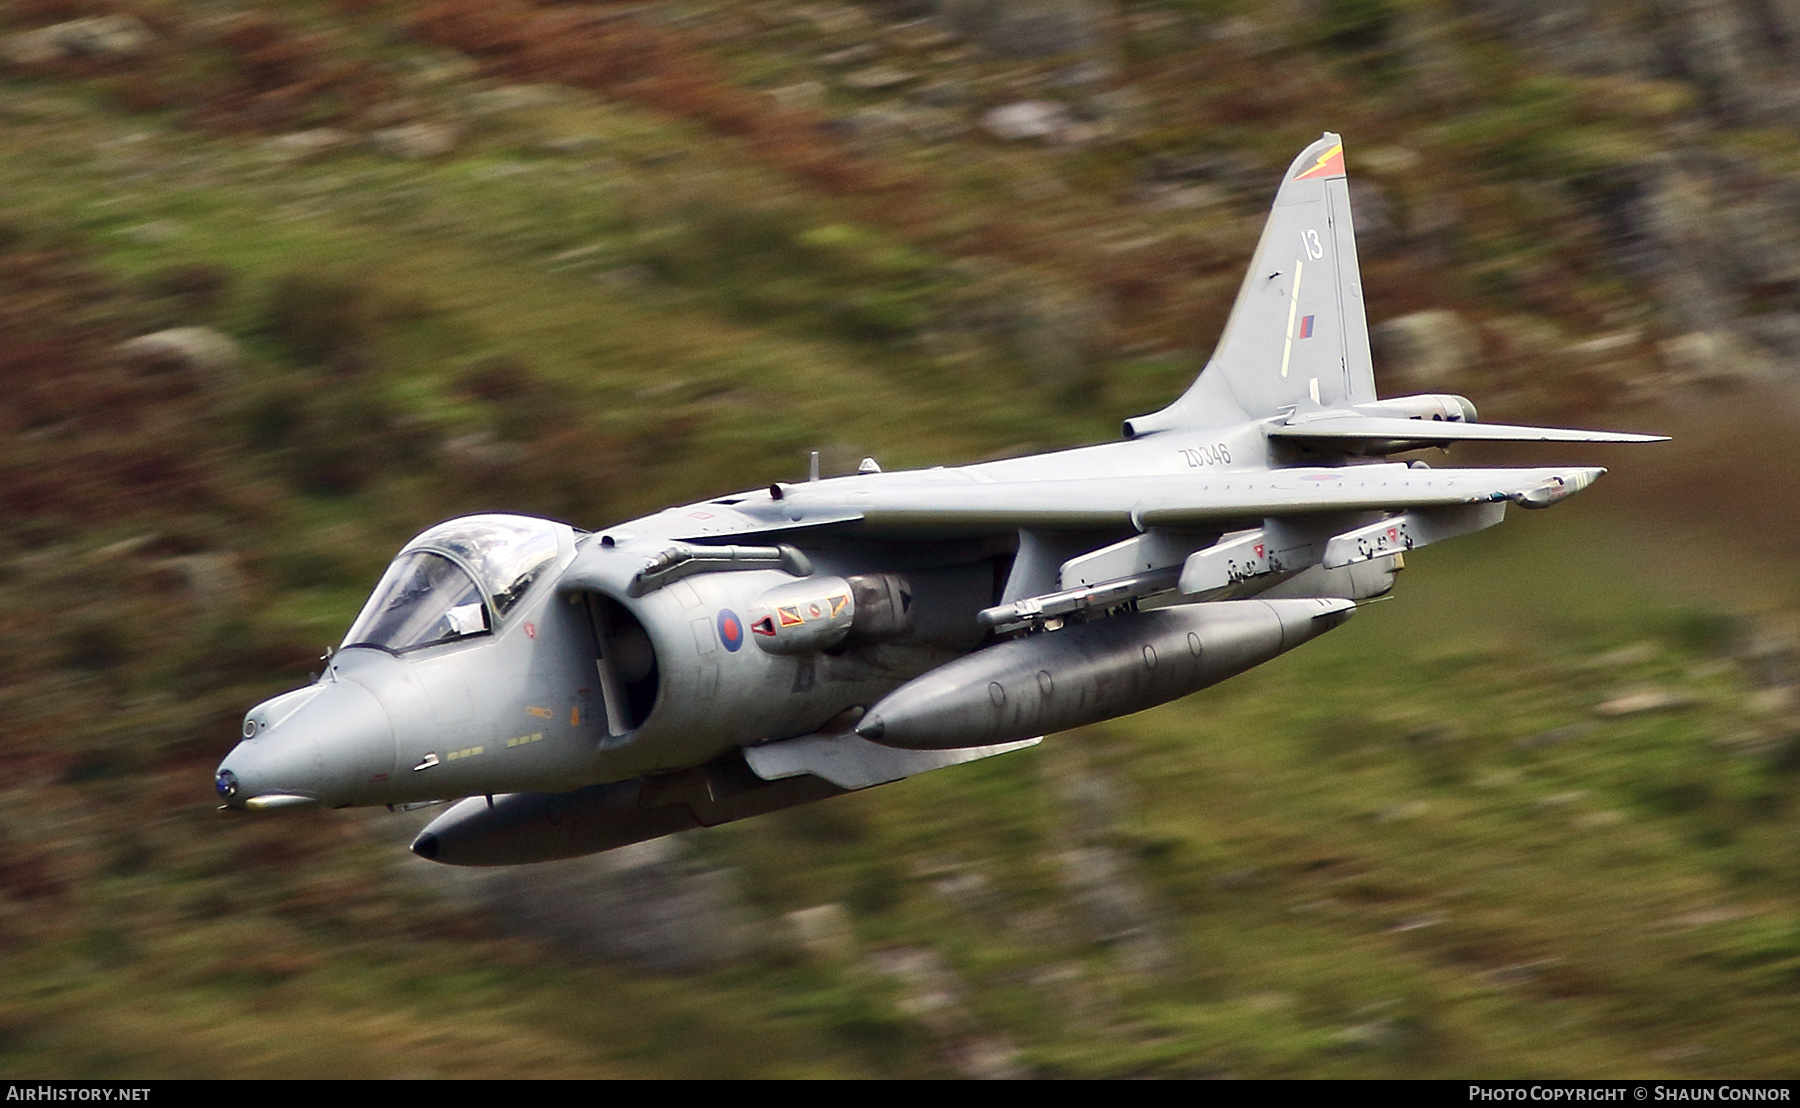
x=439, y=68
x=945, y=93
x=1714, y=235
x=1713, y=358
x=968, y=890
x=1519, y=973
x=933, y=994
x=153, y=233
x=643, y=905
x=1238, y=880
x=878, y=78
x=480, y=451
x=1427, y=47
x=1579, y=36
x=801, y=94
x=1027, y=119
x=1402, y=812
x=102, y=37
x=215, y=580
x=1173, y=197
x=1423, y=352
x=1233, y=172
x=1367, y=1036
x=310, y=145
x=870, y=130
x=935, y=125
x=1739, y=56
x=417, y=141
x=1434, y=228
x=1778, y=333
x=578, y=143
x=1083, y=75
x=1528, y=337
x=834, y=19
x=1644, y=700
x=1714, y=45
x=988, y=1058
x=824, y=932
x=1665, y=233
x=1771, y=653
x=1616, y=343
x=1111, y=902
x=1060, y=334
x=1556, y=736
x=210, y=356
x=903, y=11
x=1086, y=132
x=1026, y=28
x=921, y=35
x=1116, y=908
x=1376, y=230
x=851, y=55
x=507, y=99
x=393, y=111
x=30, y=48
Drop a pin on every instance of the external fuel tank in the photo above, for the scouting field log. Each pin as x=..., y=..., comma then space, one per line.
x=1087, y=672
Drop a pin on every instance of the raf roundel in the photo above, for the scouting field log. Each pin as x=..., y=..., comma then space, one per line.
x=731, y=630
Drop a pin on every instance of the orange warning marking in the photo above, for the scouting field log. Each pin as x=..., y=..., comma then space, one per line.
x=1330, y=164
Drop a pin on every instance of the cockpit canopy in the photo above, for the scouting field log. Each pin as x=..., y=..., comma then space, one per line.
x=458, y=579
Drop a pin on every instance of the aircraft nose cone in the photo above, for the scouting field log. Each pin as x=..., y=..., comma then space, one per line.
x=323, y=746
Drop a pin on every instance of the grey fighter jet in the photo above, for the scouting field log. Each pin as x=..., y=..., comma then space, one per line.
x=583, y=690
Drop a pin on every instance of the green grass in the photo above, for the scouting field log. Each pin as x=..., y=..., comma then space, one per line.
x=1411, y=849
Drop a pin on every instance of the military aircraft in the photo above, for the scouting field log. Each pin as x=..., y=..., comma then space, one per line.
x=778, y=646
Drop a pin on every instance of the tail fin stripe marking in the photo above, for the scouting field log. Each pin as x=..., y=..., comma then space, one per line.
x=1287, y=349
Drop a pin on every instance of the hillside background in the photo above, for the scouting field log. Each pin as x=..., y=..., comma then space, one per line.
x=283, y=284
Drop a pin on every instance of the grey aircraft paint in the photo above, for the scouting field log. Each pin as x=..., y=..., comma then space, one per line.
x=788, y=644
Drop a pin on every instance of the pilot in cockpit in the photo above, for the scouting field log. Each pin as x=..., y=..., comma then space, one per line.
x=455, y=580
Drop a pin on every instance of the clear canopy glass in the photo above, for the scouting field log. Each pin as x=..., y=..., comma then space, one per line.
x=423, y=598
x=428, y=594
x=506, y=552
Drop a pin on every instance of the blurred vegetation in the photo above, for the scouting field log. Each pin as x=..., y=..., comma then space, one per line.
x=589, y=260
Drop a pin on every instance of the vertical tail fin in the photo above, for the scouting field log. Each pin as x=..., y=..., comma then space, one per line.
x=1297, y=336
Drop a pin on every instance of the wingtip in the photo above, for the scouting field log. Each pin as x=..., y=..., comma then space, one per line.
x=1628, y=437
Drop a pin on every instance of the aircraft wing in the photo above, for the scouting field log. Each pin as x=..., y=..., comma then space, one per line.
x=1339, y=431
x=937, y=505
